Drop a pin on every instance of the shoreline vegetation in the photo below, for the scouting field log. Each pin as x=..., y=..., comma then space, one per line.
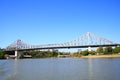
x=100, y=52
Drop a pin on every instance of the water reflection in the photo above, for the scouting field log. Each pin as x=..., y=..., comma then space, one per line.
x=90, y=69
x=60, y=69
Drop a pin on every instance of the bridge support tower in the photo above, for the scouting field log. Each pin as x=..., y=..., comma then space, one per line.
x=18, y=54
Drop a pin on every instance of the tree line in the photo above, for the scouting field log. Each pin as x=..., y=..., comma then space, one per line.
x=99, y=51
x=46, y=54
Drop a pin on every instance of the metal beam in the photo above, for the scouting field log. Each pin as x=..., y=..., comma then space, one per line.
x=62, y=47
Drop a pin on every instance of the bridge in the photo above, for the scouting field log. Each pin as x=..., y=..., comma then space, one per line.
x=87, y=40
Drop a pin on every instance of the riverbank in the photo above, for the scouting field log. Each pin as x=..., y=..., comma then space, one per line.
x=101, y=56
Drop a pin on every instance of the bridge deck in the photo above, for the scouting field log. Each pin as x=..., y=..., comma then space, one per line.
x=61, y=47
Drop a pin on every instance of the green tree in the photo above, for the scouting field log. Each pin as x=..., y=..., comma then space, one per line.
x=1, y=54
x=85, y=53
x=55, y=53
x=92, y=52
x=26, y=52
x=116, y=49
x=99, y=50
x=108, y=50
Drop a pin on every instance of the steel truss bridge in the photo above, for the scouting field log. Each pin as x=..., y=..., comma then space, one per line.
x=85, y=41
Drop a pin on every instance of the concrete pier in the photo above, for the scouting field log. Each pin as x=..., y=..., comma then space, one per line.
x=18, y=54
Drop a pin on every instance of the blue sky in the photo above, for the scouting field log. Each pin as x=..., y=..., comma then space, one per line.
x=57, y=21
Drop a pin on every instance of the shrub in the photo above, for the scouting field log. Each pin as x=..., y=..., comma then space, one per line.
x=85, y=53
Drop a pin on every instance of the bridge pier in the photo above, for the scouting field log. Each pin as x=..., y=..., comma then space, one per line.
x=18, y=54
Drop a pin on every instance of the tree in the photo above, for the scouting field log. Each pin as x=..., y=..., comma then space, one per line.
x=108, y=50
x=1, y=54
x=99, y=50
x=54, y=53
x=92, y=52
x=85, y=53
x=116, y=49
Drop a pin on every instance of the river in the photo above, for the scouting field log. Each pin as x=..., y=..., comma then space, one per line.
x=60, y=69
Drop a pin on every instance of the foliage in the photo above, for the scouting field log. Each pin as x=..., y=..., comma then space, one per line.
x=85, y=53
x=42, y=54
x=54, y=54
x=1, y=54
x=77, y=54
x=92, y=52
x=26, y=53
x=108, y=50
x=99, y=50
x=116, y=49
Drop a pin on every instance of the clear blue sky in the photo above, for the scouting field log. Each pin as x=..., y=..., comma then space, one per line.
x=57, y=21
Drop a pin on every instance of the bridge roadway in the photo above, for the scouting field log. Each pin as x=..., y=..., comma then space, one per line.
x=62, y=47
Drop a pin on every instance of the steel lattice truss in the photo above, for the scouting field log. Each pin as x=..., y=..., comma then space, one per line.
x=86, y=39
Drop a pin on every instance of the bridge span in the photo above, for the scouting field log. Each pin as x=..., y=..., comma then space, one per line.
x=63, y=47
x=87, y=40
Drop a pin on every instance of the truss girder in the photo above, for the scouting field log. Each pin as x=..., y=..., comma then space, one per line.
x=86, y=39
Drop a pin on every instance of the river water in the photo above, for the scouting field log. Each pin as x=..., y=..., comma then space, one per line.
x=60, y=69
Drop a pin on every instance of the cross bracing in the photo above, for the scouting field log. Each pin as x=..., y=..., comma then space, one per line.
x=88, y=39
